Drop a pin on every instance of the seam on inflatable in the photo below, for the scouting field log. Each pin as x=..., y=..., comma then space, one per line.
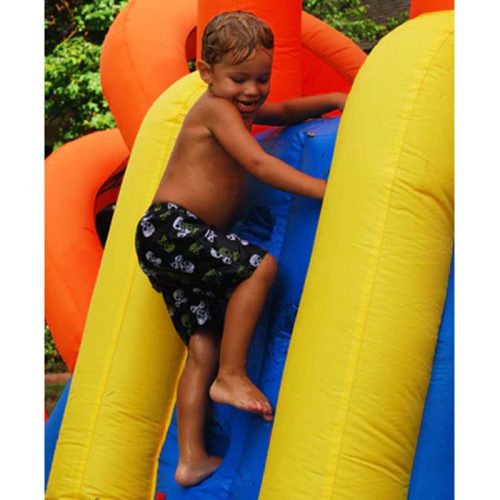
x=444, y=297
x=174, y=132
x=371, y=274
x=102, y=387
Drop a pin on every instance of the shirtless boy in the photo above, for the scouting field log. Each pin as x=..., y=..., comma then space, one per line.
x=214, y=283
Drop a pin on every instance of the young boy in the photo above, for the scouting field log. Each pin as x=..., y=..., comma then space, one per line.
x=213, y=282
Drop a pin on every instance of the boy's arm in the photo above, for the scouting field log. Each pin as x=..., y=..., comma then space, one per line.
x=299, y=109
x=225, y=123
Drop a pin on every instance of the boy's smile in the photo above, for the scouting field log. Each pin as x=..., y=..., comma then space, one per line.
x=246, y=84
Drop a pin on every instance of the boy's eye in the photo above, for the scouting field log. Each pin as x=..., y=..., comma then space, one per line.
x=237, y=80
x=263, y=80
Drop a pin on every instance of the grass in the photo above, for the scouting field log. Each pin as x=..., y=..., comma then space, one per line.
x=52, y=394
x=53, y=365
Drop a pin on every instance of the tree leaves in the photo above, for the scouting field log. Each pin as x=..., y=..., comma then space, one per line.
x=350, y=17
x=75, y=30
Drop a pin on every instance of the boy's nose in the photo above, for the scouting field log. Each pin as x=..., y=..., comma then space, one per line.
x=251, y=89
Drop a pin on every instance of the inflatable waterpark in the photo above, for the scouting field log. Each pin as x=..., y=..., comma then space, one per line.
x=355, y=346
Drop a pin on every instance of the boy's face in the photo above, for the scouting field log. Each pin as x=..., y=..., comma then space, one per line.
x=246, y=84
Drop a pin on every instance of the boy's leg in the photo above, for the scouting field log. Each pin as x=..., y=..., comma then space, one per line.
x=192, y=399
x=232, y=385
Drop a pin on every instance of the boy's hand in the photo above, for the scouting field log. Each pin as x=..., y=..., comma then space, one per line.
x=338, y=100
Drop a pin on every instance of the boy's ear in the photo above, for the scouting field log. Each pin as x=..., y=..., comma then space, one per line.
x=205, y=71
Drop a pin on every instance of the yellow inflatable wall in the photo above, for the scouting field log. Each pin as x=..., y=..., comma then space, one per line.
x=361, y=353
x=123, y=390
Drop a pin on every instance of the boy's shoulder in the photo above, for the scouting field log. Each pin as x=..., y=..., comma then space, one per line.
x=212, y=113
x=212, y=105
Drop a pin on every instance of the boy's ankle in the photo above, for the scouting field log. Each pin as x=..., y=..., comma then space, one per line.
x=231, y=373
x=193, y=457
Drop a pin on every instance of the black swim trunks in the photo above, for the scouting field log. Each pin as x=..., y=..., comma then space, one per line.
x=193, y=265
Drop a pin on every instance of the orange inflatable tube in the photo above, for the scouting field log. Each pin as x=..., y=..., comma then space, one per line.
x=73, y=176
x=143, y=53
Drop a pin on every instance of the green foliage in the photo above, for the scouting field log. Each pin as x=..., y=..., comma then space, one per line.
x=52, y=394
x=88, y=18
x=53, y=361
x=73, y=93
x=350, y=18
x=96, y=17
x=394, y=22
x=74, y=32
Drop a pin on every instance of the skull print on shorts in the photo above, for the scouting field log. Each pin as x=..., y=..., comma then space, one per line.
x=195, y=266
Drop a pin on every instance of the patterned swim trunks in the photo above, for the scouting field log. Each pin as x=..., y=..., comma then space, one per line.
x=193, y=265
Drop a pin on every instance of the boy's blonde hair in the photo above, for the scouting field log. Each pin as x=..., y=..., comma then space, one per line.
x=236, y=32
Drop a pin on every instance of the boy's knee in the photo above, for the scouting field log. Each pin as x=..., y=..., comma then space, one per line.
x=203, y=348
x=269, y=267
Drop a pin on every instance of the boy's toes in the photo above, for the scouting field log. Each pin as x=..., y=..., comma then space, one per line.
x=268, y=417
x=267, y=412
x=252, y=405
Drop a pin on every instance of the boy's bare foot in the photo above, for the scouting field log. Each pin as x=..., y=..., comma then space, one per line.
x=239, y=391
x=189, y=473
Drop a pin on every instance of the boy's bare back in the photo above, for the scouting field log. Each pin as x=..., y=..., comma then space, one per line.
x=200, y=175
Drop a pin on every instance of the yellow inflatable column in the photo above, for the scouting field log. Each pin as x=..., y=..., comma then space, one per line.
x=361, y=354
x=123, y=389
